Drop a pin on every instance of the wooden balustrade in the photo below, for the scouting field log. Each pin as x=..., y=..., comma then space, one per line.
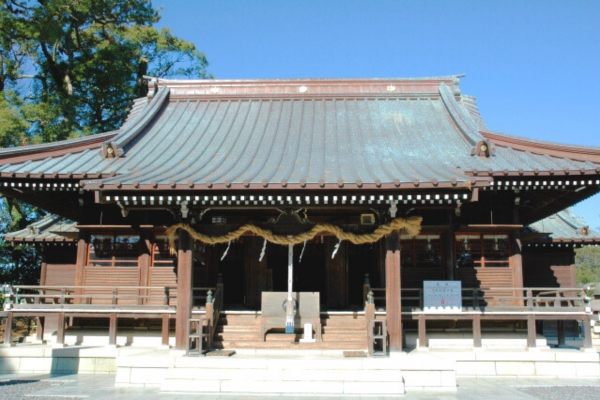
x=88, y=297
x=498, y=297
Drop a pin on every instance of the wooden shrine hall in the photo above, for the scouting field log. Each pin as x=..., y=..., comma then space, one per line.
x=348, y=192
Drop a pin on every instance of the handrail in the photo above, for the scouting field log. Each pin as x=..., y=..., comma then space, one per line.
x=45, y=287
x=71, y=295
x=214, y=303
x=217, y=305
x=534, y=296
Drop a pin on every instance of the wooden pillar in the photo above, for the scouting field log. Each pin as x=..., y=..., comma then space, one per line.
x=422, y=331
x=516, y=256
x=184, y=290
x=477, y=331
x=80, y=265
x=517, y=263
x=560, y=333
x=112, y=329
x=165, y=330
x=587, y=333
x=531, y=332
x=448, y=248
x=60, y=331
x=8, y=321
x=43, y=273
x=392, y=291
x=145, y=259
x=39, y=328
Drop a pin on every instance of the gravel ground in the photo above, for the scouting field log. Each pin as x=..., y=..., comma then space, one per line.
x=23, y=389
x=562, y=392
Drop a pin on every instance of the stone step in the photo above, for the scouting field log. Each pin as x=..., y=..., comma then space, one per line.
x=274, y=337
x=260, y=375
x=325, y=329
x=253, y=344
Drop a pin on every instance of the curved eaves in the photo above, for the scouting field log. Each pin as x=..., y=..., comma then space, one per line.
x=137, y=125
x=463, y=121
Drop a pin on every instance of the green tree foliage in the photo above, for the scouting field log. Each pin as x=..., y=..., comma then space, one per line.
x=587, y=261
x=73, y=67
x=20, y=263
x=70, y=68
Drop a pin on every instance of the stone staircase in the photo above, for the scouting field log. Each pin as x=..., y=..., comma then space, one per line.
x=284, y=375
x=241, y=330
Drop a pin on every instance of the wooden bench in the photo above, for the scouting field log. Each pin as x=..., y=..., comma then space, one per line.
x=273, y=311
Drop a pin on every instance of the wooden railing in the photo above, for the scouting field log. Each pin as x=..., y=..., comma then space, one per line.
x=504, y=303
x=201, y=330
x=25, y=296
x=476, y=298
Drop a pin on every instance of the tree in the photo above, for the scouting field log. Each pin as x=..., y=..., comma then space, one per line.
x=19, y=263
x=587, y=261
x=70, y=68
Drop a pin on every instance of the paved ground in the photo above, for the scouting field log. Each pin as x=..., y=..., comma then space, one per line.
x=25, y=386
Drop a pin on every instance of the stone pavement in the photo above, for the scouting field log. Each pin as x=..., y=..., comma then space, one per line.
x=102, y=387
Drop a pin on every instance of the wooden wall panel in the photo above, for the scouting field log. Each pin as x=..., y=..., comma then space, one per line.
x=565, y=275
x=549, y=268
x=162, y=276
x=487, y=278
x=117, y=276
x=60, y=275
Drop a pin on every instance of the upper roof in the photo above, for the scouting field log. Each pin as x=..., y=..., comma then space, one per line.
x=299, y=133
x=563, y=226
x=52, y=228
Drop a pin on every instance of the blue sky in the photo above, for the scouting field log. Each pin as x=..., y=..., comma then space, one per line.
x=533, y=65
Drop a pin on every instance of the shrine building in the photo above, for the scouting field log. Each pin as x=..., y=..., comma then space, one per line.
x=343, y=194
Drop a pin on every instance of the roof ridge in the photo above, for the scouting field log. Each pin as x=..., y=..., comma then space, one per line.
x=305, y=80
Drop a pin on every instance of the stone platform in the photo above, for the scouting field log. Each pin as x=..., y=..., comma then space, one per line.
x=287, y=371
x=299, y=371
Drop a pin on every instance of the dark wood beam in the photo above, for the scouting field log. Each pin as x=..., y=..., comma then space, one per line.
x=392, y=292
x=531, y=331
x=184, y=289
x=165, y=330
x=112, y=329
x=80, y=264
x=476, y=331
x=60, y=331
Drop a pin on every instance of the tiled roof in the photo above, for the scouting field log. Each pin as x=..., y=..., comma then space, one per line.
x=51, y=228
x=564, y=226
x=305, y=133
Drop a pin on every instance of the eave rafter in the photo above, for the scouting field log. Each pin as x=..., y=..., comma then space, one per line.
x=286, y=199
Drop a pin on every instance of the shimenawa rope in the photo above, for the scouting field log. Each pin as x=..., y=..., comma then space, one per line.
x=411, y=225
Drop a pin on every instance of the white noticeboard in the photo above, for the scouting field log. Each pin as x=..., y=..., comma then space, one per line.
x=442, y=295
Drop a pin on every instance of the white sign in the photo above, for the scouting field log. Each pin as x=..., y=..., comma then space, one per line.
x=442, y=295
